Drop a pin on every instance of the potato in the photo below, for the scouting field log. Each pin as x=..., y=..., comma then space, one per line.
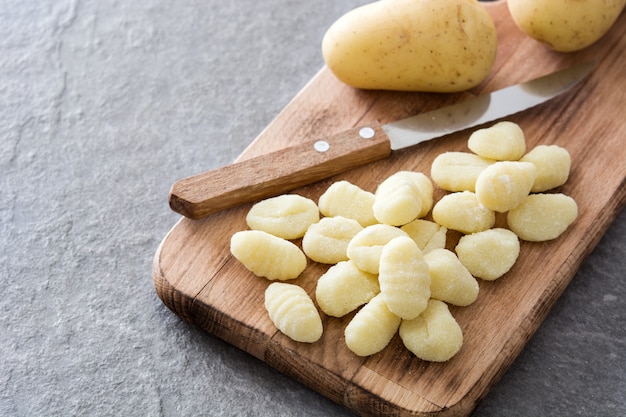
x=565, y=25
x=412, y=45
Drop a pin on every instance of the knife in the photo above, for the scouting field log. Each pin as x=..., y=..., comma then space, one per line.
x=278, y=172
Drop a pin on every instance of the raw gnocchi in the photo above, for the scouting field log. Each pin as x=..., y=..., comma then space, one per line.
x=463, y=212
x=343, y=288
x=292, y=311
x=345, y=199
x=389, y=261
x=365, y=248
x=450, y=281
x=489, y=254
x=397, y=201
x=503, y=141
x=268, y=256
x=428, y=235
x=372, y=328
x=504, y=185
x=327, y=241
x=287, y=216
x=433, y=336
x=553, y=166
x=404, y=278
x=542, y=217
x=458, y=171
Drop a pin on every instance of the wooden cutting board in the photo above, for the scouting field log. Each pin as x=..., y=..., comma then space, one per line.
x=198, y=279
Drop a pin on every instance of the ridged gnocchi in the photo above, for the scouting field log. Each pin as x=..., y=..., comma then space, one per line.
x=293, y=313
x=403, y=197
x=433, y=336
x=344, y=288
x=287, y=216
x=372, y=328
x=404, y=278
x=267, y=256
x=327, y=241
x=388, y=262
x=398, y=201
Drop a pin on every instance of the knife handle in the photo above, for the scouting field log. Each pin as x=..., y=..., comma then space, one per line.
x=277, y=172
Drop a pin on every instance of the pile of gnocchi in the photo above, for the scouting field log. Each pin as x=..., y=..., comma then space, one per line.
x=388, y=262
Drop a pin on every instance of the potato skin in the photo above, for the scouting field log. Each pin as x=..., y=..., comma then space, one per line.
x=565, y=25
x=412, y=45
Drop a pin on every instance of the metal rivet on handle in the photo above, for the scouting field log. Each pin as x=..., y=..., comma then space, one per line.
x=321, y=146
x=366, y=132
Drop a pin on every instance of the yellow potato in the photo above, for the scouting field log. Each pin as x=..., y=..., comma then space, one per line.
x=412, y=45
x=565, y=25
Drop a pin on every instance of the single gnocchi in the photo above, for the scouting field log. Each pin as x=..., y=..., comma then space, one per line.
x=489, y=254
x=450, y=281
x=293, y=313
x=345, y=199
x=553, y=165
x=287, y=216
x=344, y=288
x=327, y=241
x=428, y=235
x=404, y=278
x=372, y=328
x=542, y=217
x=458, y=171
x=504, y=141
x=504, y=185
x=463, y=212
x=268, y=256
x=365, y=248
x=435, y=335
x=425, y=188
x=398, y=200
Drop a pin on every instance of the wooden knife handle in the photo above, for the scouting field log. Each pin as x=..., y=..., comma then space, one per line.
x=277, y=172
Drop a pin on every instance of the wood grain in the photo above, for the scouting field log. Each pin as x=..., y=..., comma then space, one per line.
x=197, y=278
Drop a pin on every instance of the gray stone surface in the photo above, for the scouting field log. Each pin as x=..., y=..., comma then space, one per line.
x=103, y=105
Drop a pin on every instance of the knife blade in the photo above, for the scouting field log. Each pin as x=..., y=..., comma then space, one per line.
x=278, y=172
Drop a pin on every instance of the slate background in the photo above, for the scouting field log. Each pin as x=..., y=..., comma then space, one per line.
x=103, y=105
